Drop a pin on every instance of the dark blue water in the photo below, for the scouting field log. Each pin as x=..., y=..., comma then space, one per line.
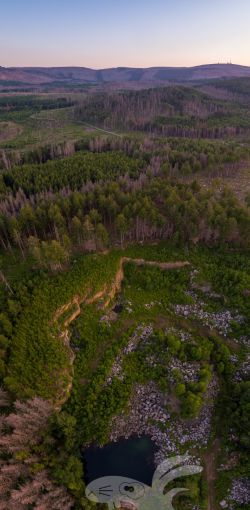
x=133, y=458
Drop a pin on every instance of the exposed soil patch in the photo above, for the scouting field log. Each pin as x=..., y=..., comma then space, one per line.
x=161, y=265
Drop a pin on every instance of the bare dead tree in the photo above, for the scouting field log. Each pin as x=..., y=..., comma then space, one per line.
x=6, y=283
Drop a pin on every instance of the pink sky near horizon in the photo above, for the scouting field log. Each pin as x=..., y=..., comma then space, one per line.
x=131, y=33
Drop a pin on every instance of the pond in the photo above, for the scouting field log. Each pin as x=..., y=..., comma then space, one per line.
x=133, y=458
x=118, y=308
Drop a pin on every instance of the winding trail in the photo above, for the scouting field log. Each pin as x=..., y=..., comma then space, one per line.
x=101, y=129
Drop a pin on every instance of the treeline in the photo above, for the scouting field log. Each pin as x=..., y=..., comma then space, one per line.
x=183, y=129
x=180, y=156
x=124, y=211
x=188, y=156
x=71, y=172
x=240, y=87
x=171, y=111
x=32, y=102
x=48, y=152
x=129, y=109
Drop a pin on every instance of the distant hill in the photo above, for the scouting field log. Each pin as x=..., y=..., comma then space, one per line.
x=83, y=75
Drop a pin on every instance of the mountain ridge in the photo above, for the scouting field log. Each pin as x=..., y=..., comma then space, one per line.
x=74, y=74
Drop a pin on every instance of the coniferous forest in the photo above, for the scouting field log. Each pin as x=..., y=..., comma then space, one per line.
x=124, y=271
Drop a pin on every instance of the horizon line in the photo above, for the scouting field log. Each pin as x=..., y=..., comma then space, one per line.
x=119, y=66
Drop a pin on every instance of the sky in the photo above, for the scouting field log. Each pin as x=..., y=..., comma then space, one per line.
x=133, y=33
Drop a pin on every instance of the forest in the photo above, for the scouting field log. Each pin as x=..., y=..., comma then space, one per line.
x=136, y=201
x=172, y=111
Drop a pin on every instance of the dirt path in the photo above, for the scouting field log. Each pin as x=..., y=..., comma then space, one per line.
x=210, y=458
x=207, y=331
x=103, y=130
x=191, y=324
x=162, y=265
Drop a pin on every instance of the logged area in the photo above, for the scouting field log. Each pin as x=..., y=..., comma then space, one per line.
x=124, y=289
